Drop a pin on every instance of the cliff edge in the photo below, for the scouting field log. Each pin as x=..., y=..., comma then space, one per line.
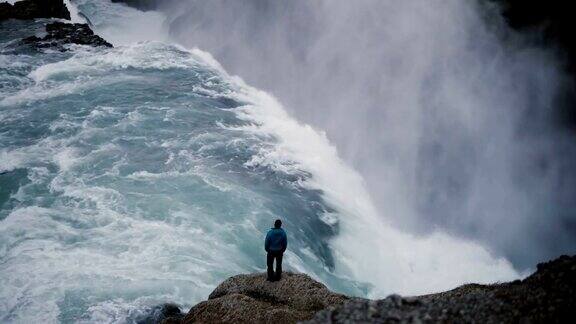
x=252, y=299
x=547, y=296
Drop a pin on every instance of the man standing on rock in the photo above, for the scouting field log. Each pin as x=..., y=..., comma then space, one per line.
x=275, y=244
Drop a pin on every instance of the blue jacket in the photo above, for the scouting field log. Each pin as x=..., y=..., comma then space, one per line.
x=276, y=240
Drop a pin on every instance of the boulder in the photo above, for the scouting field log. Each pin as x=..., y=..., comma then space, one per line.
x=60, y=34
x=165, y=313
x=252, y=299
x=31, y=9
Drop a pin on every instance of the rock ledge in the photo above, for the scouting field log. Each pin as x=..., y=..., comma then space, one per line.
x=252, y=299
x=547, y=296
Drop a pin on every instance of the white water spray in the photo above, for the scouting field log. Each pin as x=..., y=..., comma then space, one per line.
x=437, y=104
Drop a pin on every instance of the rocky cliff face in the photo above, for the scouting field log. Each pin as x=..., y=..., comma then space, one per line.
x=547, y=296
x=30, y=9
x=58, y=34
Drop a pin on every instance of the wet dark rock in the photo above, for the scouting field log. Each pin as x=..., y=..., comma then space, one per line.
x=60, y=34
x=252, y=299
x=31, y=9
x=166, y=313
x=547, y=296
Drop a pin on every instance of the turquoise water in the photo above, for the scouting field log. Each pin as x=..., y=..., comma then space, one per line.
x=128, y=172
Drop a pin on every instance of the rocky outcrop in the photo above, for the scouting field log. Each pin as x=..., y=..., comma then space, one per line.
x=547, y=296
x=60, y=34
x=165, y=313
x=31, y=9
x=252, y=299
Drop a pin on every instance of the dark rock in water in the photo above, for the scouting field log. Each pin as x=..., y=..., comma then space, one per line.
x=547, y=296
x=252, y=299
x=60, y=34
x=5, y=11
x=166, y=313
x=31, y=9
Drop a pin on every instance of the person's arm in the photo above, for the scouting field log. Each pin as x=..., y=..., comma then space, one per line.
x=284, y=242
x=267, y=242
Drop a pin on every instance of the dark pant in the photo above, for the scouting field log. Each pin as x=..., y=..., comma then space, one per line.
x=270, y=262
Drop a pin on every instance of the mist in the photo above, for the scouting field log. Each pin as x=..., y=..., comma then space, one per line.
x=446, y=113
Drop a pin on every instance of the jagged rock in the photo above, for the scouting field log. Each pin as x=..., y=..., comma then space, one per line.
x=165, y=313
x=31, y=9
x=60, y=34
x=547, y=296
x=252, y=299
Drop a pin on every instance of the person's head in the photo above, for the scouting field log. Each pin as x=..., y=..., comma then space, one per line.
x=277, y=223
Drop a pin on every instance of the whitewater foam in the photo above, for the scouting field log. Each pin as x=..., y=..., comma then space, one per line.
x=387, y=259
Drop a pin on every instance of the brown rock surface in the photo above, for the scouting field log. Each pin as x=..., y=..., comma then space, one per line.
x=252, y=299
